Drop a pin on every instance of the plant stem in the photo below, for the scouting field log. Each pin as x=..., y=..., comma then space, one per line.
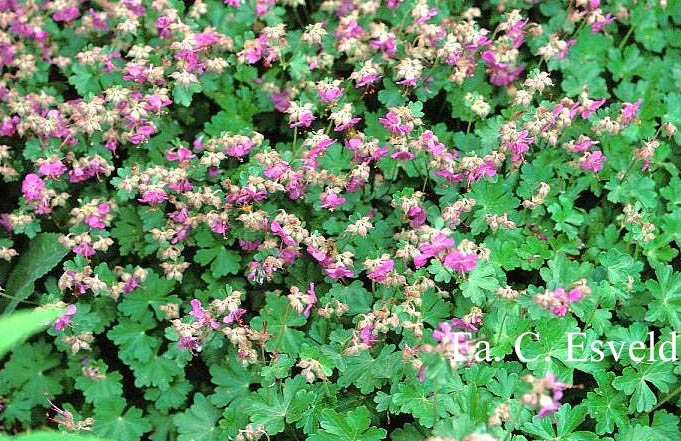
x=668, y=397
x=626, y=37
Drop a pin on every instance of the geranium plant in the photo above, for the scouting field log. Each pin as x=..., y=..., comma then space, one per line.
x=342, y=220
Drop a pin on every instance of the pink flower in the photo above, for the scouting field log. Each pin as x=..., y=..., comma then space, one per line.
x=520, y=145
x=288, y=255
x=439, y=244
x=233, y=3
x=155, y=103
x=593, y=161
x=595, y=105
x=234, y=316
x=154, y=197
x=417, y=216
x=136, y=73
x=367, y=80
x=394, y=125
x=445, y=333
x=240, y=149
x=379, y=273
x=313, y=301
x=219, y=227
x=304, y=120
x=276, y=170
x=65, y=319
x=279, y=231
x=562, y=300
x=402, y=156
x=188, y=342
x=385, y=44
x=67, y=14
x=550, y=382
x=249, y=245
x=351, y=122
x=52, y=169
x=329, y=94
x=131, y=285
x=461, y=262
x=599, y=25
x=367, y=336
x=281, y=100
x=182, y=154
x=501, y=74
x=95, y=222
x=98, y=20
x=338, y=272
x=630, y=111
x=205, y=39
x=563, y=52
x=584, y=144
x=84, y=249
x=332, y=201
x=200, y=315
x=32, y=187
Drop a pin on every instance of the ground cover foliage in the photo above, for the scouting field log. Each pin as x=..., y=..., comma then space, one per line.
x=288, y=219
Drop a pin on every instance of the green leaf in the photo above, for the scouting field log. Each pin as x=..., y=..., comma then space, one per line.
x=666, y=292
x=84, y=80
x=369, y=373
x=96, y=390
x=568, y=419
x=281, y=318
x=112, y=422
x=44, y=253
x=391, y=95
x=151, y=294
x=172, y=397
x=608, y=408
x=199, y=422
x=31, y=373
x=49, y=435
x=233, y=381
x=17, y=327
x=566, y=216
x=354, y=425
x=422, y=404
x=482, y=279
x=224, y=261
x=183, y=94
x=280, y=404
x=634, y=382
x=133, y=339
x=158, y=371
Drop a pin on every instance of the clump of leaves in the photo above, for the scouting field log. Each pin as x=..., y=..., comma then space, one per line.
x=343, y=221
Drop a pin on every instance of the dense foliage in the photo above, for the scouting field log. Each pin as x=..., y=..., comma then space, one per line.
x=279, y=219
